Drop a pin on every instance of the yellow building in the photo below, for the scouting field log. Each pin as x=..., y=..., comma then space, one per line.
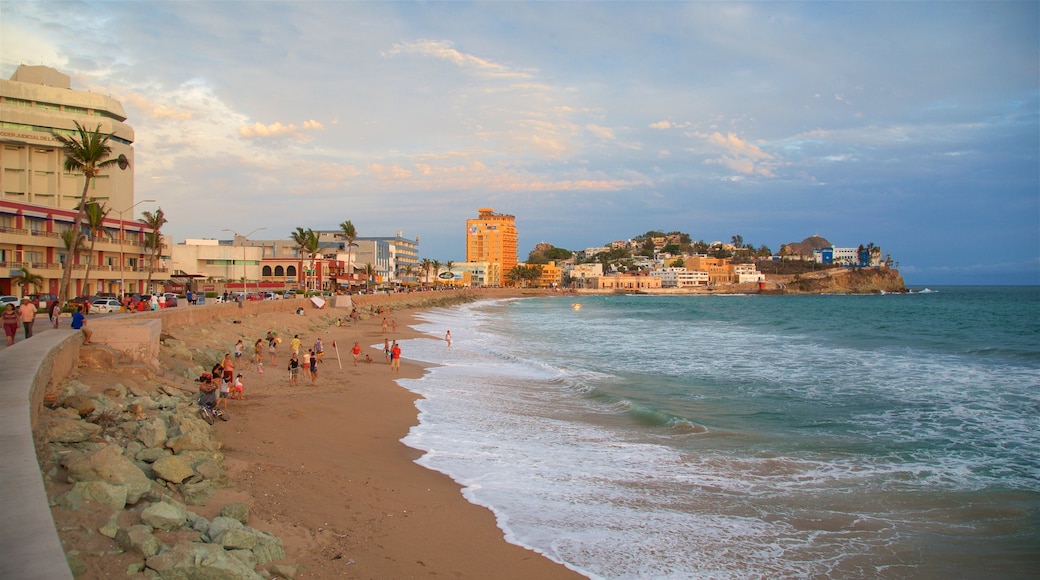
x=718, y=269
x=624, y=282
x=492, y=238
x=38, y=199
x=552, y=275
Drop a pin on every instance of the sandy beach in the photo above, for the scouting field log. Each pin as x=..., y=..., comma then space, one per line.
x=323, y=468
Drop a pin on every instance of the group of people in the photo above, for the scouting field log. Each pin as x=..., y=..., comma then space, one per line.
x=311, y=359
x=26, y=315
x=225, y=382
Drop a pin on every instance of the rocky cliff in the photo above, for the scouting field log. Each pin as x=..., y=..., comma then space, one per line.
x=841, y=281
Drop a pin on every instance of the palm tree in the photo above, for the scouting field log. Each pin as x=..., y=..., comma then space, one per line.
x=370, y=274
x=153, y=240
x=350, y=234
x=88, y=155
x=96, y=214
x=307, y=243
x=425, y=266
x=449, y=266
x=25, y=279
x=408, y=269
x=436, y=265
x=73, y=246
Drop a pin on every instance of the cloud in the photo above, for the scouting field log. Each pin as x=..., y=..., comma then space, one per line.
x=275, y=130
x=601, y=132
x=661, y=125
x=445, y=51
x=740, y=156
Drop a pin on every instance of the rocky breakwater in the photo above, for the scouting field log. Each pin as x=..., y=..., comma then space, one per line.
x=124, y=464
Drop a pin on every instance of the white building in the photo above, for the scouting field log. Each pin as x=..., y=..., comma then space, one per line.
x=680, y=277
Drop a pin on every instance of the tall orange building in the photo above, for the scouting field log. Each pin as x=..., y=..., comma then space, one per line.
x=491, y=238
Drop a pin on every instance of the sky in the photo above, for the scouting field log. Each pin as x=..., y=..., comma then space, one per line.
x=910, y=125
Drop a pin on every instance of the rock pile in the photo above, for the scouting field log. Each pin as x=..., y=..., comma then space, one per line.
x=135, y=457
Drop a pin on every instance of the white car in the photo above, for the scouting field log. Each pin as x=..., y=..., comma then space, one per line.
x=104, y=306
x=5, y=300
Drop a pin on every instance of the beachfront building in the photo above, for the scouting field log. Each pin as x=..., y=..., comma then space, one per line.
x=718, y=269
x=552, y=276
x=680, y=277
x=39, y=200
x=624, y=282
x=210, y=259
x=577, y=275
x=403, y=256
x=744, y=273
x=491, y=237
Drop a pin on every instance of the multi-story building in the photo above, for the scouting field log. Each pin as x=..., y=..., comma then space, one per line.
x=718, y=269
x=680, y=277
x=632, y=282
x=492, y=238
x=39, y=199
x=552, y=276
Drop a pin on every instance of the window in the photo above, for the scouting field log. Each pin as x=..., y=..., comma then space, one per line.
x=291, y=271
x=266, y=271
x=279, y=271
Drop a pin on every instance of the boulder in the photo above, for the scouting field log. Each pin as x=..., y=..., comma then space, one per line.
x=101, y=492
x=239, y=539
x=199, y=561
x=268, y=548
x=138, y=540
x=172, y=468
x=82, y=404
x=69, y=431
x=193, y=440
x=152, y=454
x=220, y=526
x=166, y=515
x=108, y=464
x=197, y=493
x=236, y=511
x=287, y=571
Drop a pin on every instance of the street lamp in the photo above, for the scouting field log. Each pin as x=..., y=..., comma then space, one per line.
x=122, y=238
x=245, y=286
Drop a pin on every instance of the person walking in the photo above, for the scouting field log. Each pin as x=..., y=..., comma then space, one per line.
x=395, y=358
x=319, y=350
x=11, y=319
x=28, y=313
x=294, y=371
x=386, y=349
x=356, y=351
x=56, y=313
x=314, y=367
x=447, y=338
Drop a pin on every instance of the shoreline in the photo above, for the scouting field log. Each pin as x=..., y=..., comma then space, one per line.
x=324, y=468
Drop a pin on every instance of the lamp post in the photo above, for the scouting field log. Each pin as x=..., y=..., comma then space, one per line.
x=122, y=238
x=245, y=286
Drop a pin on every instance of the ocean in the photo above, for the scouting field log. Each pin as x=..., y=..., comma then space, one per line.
x=637, y=436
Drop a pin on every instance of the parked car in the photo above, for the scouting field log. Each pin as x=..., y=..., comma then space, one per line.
x=82, y=300
x=104, y=306
x=289, y=294
x=43, y=301
x=271, y=296
x=5, y=300
x=171, y=299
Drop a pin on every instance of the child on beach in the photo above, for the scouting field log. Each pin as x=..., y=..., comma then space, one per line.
x=319, y=350
x=225, y=392
x=238, y=349
x=258, y=351
x=239, y=392
x=306, y=362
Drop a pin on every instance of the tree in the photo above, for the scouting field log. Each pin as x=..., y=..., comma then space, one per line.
x=153, y=240
x=349, y=233
x=73, y=246
x=89, y=155
x=425, y=266
x=738, y=241
x=25, y=279
x=306, y=241
x=436, y=265
x=370, y=274
x=96, y=214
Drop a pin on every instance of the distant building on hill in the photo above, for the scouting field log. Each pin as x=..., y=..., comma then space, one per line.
x=491, y=237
